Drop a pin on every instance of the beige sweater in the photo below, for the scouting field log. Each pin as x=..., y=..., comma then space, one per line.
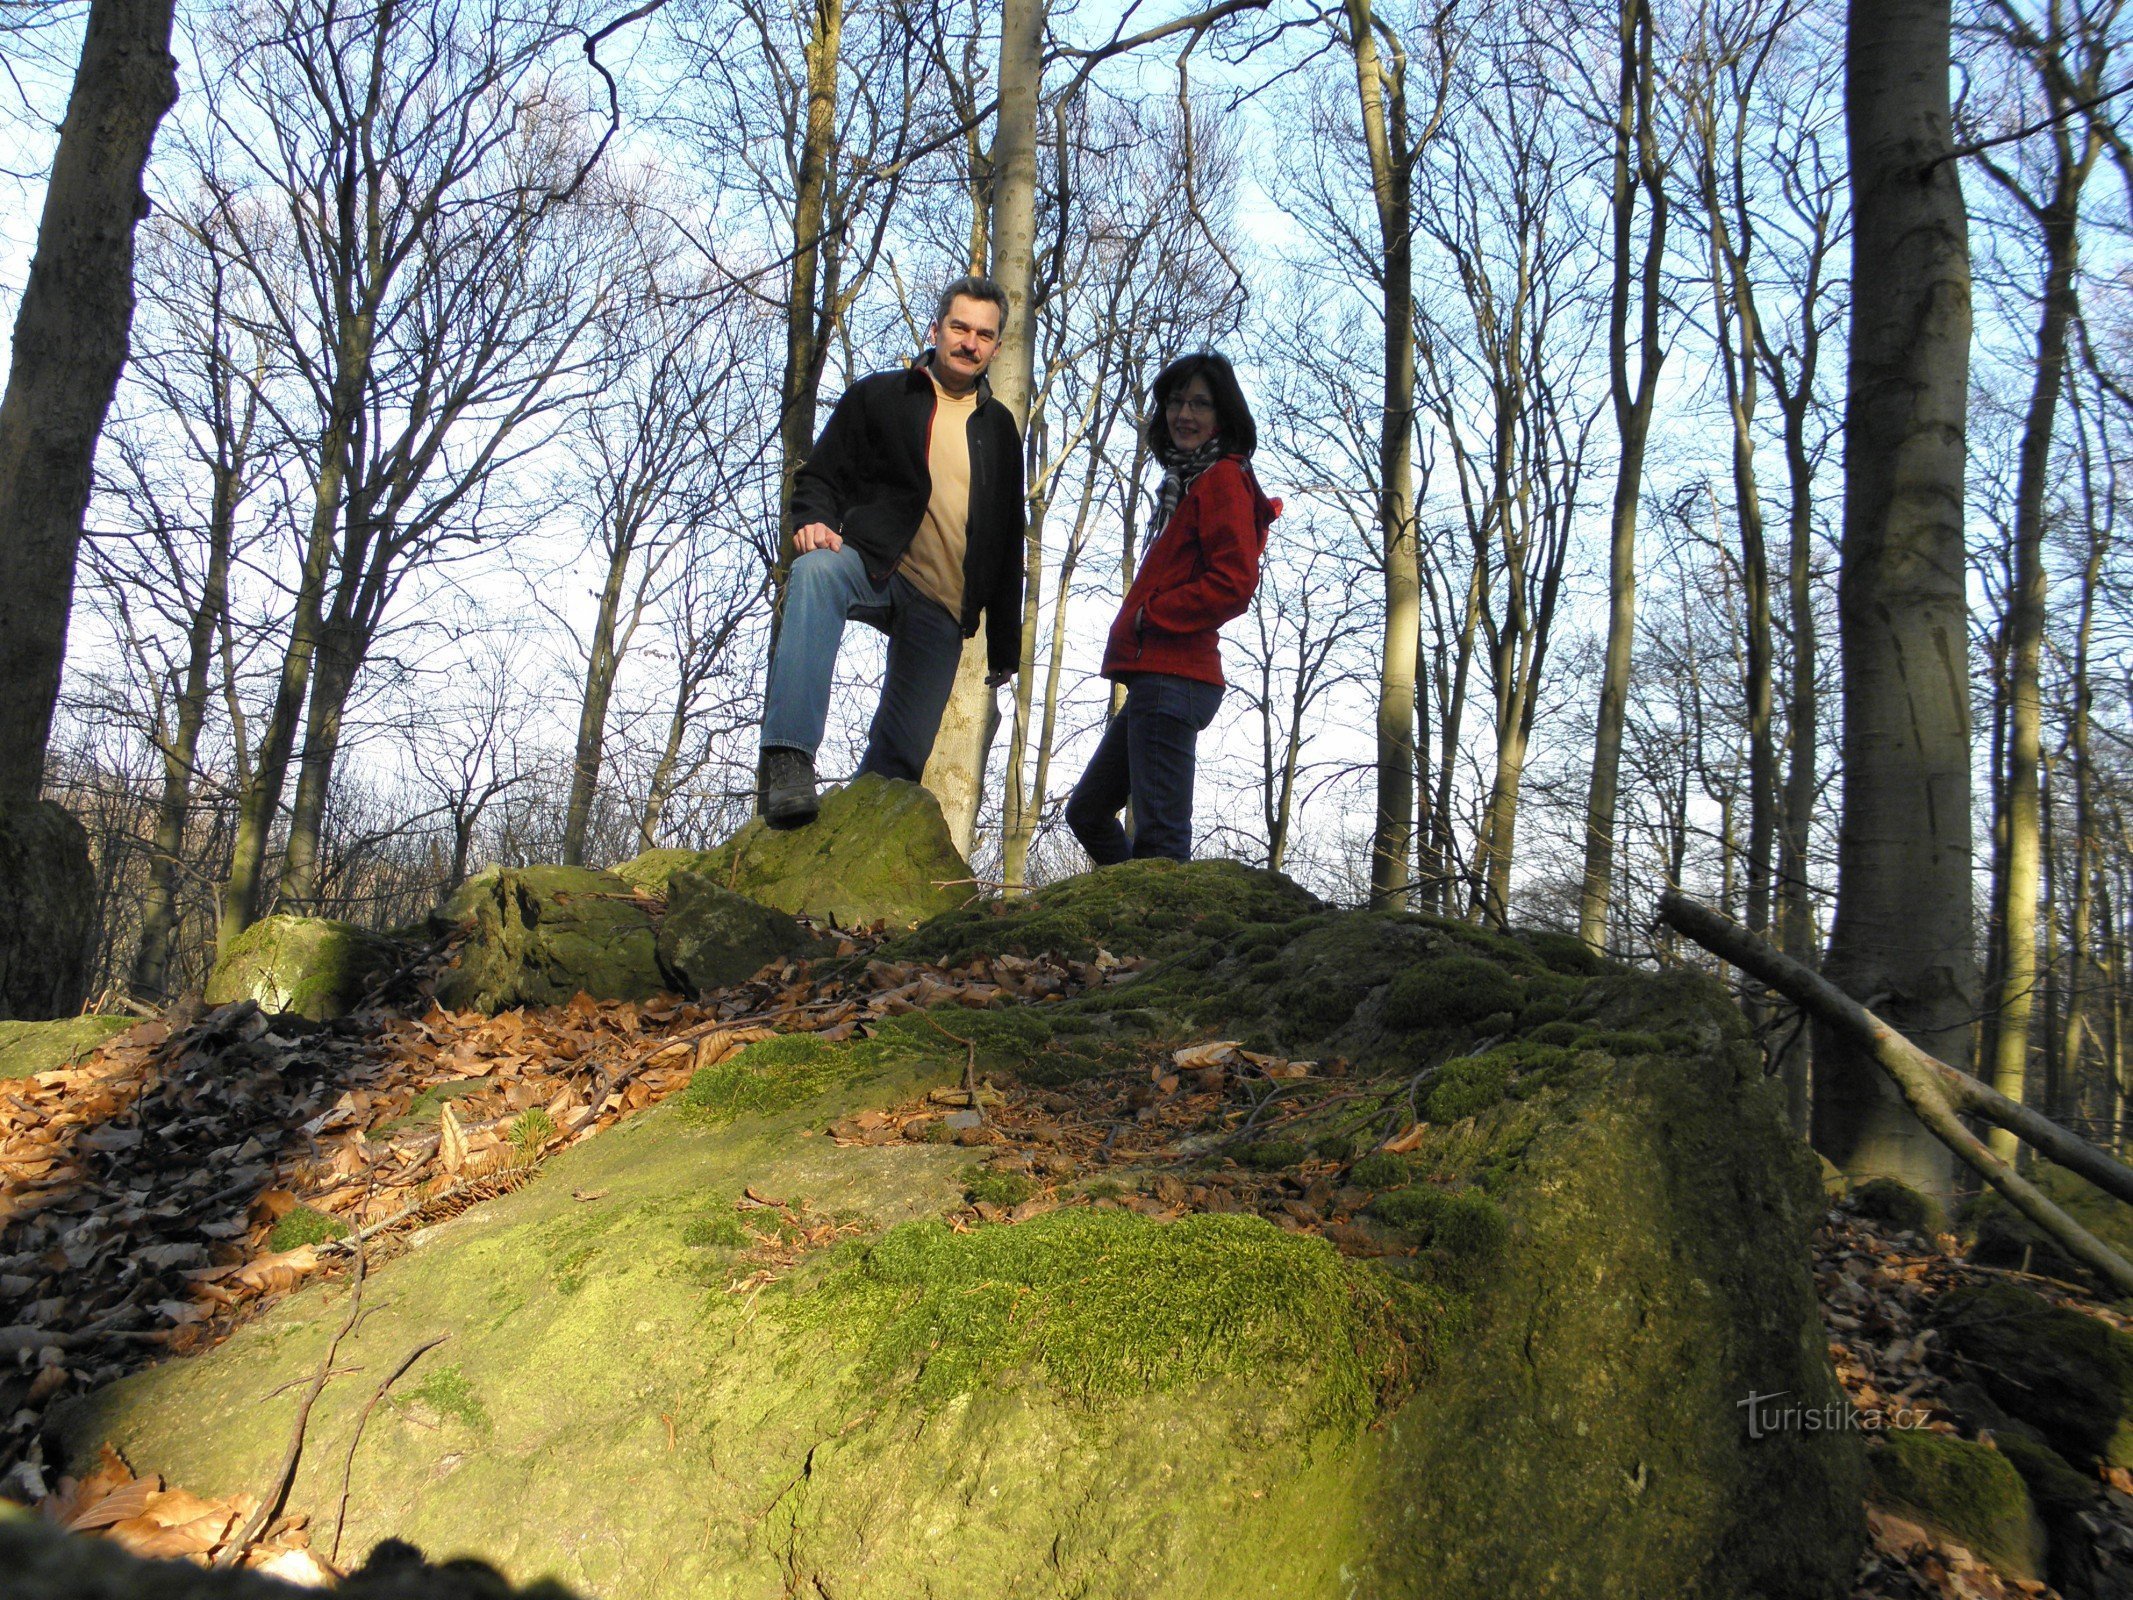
x=934, y=563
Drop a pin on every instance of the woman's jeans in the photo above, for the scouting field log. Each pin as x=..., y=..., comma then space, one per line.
x=1146, y=756
x=825, y=589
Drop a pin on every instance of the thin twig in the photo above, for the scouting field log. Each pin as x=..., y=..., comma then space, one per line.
x=270, y=1505
x=340, y=1516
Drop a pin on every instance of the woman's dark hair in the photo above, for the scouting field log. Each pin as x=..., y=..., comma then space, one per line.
x=1233, y=418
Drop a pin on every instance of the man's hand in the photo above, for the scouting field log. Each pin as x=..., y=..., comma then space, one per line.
x=993, y=680
x=816, y=536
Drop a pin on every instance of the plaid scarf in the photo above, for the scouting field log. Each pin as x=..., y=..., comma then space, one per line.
x=1178, y=473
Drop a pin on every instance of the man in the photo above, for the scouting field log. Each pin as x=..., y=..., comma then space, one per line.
x=908, y=516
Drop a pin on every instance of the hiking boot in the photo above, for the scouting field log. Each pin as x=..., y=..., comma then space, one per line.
x=788, y=788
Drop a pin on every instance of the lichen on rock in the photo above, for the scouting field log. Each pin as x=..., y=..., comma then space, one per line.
x=310, y=967
x=710, y=937
x=30, y=1047
x=540, y=935
x=879, y=851
x=1965, y=1488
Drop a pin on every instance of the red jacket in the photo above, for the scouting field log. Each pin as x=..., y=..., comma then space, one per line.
x=1200, y=573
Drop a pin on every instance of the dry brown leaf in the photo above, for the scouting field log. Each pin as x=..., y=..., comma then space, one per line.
x=278, y=1271
x=1212, y=1054
x=451, y=1139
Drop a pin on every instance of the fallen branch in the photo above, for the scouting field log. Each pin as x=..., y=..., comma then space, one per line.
x=270, y=1504
x=340, y=1516
x=1935, y=1091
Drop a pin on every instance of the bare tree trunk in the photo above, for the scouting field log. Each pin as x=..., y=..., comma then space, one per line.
x=1381, y=88
x=71, y=333
x=1903, y=928
x=805, y=328
x=261, y=800
x=2015, y=909
x=600, y=666
x=1635, y=167
x=151, y=961
x=955, y=772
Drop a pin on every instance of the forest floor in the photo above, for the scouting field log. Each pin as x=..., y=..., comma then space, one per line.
x=170, y=1186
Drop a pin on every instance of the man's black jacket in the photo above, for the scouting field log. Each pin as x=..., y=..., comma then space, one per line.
x=869, y=479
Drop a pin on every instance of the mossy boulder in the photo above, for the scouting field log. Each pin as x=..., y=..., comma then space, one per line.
x=47, y=912
x=1545, y=1402
x=879, y=852
x=29, y=1047
x=2067, y=1375
x=710, y=937
x=1897, y=1205
x=541, y=935
x=2001, y=1236
x=1138, y=908
x=309, y=967
x=1967, y=1489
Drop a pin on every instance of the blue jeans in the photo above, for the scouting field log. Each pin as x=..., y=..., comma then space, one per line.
x=825, y=589
x=1146, y=756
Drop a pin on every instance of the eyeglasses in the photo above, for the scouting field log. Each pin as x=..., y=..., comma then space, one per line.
x=1186, y=402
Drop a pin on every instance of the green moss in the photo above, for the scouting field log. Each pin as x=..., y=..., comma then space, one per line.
x=1334, y=1146
x=1565, y=952
x=994, y=1187
x=1466, y=1232
x=1145, y=908
x=31, y=1047
x=1380, y=1170
x=305, y=1226
x=1972, y=1491
x=1469, y=1086
x=2067, y=1375
x=720, y=1230
x=447, y=1392
x=1896, y=1204
x=1448, y=993
x=1270, y=1155
x=776, y=1074
x=1102, y=1303
x=2055, y=1488
x=422, y=1110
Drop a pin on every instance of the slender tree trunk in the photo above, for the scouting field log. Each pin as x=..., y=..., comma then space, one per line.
x=262, y=796
x=2015, y=908
x=804, y=329
x=151, y=961
x=1795, y=905
x=600, y=663
x=1902, y=939
x=956, y=770
x=71, y=333
x=1381, y=88
x=1635, y=169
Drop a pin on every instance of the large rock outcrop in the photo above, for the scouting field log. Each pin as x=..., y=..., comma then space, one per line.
x=310, y=967
x=539, y=935
x=714, y=1353
x=47, y=912
x=879, y=851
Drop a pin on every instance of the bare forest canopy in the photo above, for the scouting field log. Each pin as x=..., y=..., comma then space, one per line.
x=436, y=518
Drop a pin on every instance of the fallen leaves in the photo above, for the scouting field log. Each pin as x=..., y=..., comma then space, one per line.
x=162, y=1523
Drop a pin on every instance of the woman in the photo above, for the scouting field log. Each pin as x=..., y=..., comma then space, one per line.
x=1205, y=540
